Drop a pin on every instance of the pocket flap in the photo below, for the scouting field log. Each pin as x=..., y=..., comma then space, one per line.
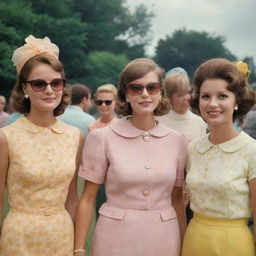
x=168, y=214
x=111, y=212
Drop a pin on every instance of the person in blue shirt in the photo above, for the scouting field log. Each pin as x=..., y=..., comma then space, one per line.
x=75, y=114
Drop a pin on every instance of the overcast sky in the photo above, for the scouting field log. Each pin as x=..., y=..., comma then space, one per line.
x=233, y=19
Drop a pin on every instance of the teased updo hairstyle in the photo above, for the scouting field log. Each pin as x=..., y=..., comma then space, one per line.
x=237, y=83
x=20, y=103
x=136, y=69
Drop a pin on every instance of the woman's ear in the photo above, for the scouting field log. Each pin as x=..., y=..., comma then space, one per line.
x=24, y=88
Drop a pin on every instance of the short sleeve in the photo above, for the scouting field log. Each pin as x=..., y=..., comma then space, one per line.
x=181, y=163
x=94, y=161
x=252, y=167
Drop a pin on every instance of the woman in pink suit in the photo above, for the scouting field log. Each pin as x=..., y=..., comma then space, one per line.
x=142, y=164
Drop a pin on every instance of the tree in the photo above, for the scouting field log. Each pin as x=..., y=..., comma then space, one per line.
x=188, y=49
x=104, y=67
x=113, y=27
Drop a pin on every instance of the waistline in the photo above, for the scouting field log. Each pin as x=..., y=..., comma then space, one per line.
x=47, y=211
x=219, y=221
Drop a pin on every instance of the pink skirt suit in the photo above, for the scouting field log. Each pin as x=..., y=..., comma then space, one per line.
x=139, y=171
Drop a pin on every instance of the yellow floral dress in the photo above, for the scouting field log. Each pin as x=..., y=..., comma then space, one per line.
x=41, y=166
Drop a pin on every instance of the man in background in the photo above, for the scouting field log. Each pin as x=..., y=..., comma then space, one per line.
x=75, y=114
x=3, y=115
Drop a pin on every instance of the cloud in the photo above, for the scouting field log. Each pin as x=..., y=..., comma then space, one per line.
x=232, y=19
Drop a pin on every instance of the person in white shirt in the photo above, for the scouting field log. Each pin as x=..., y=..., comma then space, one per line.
x=180, y=118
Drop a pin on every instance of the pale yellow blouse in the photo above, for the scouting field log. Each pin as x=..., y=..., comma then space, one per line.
x=218, y=176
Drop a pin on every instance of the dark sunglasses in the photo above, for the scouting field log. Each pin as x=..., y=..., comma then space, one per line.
x=100, y=102
x=137, y=89
x=40, y=85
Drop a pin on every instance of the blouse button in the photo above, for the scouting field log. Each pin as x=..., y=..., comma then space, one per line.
x=148, y=166
x=145, y=136
x=146, y=193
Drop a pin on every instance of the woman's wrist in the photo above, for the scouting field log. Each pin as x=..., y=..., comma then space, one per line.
x=79, y=252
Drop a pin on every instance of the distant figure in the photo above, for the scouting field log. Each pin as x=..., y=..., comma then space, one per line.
x=180, y=118
x=14, y=115
x=105, y=101
x=75, y=114
x=3, y=115
x=249, y=125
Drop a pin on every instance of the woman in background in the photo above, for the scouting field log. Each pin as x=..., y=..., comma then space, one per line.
x=180, y=118
x=105, y=101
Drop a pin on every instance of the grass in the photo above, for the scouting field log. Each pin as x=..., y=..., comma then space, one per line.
x=80, y=189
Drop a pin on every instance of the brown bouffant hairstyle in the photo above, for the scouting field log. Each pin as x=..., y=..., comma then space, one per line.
x=237, y=83
x=134, y=70
x=176, y=82
x=20, y=103
x=78, y=92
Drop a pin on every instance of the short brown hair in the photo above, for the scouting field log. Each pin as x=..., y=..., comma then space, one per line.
x=78, y=92
x=237, y=83
x=20, y=103
x=175, y=82
x=134, y=70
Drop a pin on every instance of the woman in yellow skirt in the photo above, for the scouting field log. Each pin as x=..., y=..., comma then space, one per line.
x=221, y=173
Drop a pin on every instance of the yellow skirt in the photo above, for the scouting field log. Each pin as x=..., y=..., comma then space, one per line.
x=209, y=236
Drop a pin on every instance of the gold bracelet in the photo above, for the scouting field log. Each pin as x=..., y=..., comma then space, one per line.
x=79, y=250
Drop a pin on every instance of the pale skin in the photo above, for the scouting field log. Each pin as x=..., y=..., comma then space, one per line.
x=106, y=112
x=143, y=107
x=217, y=105
x=180, y=101
x=41, y=113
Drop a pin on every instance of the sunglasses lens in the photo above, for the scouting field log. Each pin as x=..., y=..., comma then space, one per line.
x=153, y=88
x=38, y=85
x=134, y=89
x=108, y=102
x=57, y=84
x=98, y=102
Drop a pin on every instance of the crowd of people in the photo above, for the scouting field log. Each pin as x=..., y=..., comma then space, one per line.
x=163, y=163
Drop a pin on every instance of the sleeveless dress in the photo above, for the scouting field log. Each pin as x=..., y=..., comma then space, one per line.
x=41, y=166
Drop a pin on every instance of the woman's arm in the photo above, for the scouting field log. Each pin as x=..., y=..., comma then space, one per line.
x=72, y=198
x=84, y=214
x=252, y=186
x=178, y=204
x=4, y=162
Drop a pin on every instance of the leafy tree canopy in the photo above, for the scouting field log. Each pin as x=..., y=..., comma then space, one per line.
x=188, y=49
x=104, y=67
x=78, y=27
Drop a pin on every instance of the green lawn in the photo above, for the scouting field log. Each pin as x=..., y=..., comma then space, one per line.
x=80, y=189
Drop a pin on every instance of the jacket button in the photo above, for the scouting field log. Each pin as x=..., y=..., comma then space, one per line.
x=148, y=166
x=146, y=193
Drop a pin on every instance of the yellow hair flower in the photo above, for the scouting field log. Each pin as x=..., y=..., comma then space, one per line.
x=243, y=68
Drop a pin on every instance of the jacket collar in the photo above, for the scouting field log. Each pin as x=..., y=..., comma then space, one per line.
x=204, y=144
x=57, y=127
x=124, y=128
